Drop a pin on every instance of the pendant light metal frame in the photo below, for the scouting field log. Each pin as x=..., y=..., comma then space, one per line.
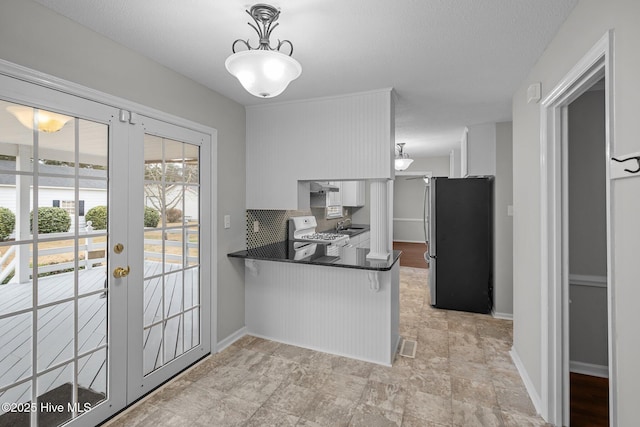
x=261, y=70
x=402, y=160
x=264, y=16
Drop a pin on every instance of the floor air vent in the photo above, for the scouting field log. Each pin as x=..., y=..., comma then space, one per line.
x=408, y=348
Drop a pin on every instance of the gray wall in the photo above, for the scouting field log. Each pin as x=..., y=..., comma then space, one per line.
x=587, y=186
x=587, y=228
x=438, y=166
x=38, y=38
x=455, y=163
x=408, y=198
x=480, y=150
x=587, y=24
x=503, y=223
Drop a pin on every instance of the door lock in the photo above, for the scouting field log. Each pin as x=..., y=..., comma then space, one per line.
x=120, y=272
x=118, y=248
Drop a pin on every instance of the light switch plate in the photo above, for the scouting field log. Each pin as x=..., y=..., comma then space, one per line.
x=256, y=226
x=227, y=221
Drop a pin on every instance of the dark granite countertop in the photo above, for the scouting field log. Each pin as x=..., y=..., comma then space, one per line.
x=352, y=230
x=315, y=254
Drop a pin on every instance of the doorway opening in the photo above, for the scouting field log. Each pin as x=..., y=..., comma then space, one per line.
x=587, y=223
x=575, y=207
x=411, y=218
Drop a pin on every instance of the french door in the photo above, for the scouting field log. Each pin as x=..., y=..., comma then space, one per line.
x=167, y=334
x=102, y=225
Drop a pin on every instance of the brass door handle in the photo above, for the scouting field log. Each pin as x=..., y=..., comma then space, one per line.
x=120, y=272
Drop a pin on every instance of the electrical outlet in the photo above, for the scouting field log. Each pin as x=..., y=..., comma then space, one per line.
x=256, y=226
x=227, y=221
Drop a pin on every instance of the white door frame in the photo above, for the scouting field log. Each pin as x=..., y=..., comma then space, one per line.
x=596, y=64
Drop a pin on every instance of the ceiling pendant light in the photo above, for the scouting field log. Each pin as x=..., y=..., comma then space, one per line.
x=263, y=71
x=402, y=161
x=44, y=121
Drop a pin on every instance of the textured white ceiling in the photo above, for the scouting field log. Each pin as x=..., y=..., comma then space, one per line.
x=452, y=62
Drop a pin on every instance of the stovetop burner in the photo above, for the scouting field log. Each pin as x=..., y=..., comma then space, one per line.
x=303, y=228
x=321, y=236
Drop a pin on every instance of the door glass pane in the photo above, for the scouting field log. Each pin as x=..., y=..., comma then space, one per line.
x=92, y=379
x=55, y=334
x=152, y=342
x=55, y=388
x=20, y=395
x=15, y=348
x=53, y=261
x=171, y=191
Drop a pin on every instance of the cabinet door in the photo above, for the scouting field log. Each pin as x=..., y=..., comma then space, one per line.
x=353, y=193
x=335, y=197
x=364, y=240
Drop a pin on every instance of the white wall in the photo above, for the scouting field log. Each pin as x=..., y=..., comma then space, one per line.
x=38, y=38
x=587, y=228
x=346, y=137
x=438, y=166
x=583, y=28
x=503, y=223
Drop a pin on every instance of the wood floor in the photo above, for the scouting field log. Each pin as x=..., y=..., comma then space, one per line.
x=412, y=254
x=589, y=401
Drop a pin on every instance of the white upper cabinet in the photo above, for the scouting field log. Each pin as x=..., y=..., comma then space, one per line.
x=353, y=193
x=478, y=150
x=346, y=137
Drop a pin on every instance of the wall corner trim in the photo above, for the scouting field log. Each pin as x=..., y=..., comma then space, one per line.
x=235, y=336
x=503, y=316
x=533, y=394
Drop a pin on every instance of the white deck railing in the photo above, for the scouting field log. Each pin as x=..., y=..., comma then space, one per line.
x=90, y=248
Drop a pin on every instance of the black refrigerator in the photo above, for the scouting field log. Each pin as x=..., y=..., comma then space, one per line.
x=461, y=243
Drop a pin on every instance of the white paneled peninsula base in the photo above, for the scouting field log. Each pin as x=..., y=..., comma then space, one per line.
x=347, y=306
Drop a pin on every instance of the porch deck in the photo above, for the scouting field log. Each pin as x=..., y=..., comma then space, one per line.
x=55, y=328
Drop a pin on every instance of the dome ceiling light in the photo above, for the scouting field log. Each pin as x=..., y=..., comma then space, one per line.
x=263, y=71
x=43, y=120
x=402, y=161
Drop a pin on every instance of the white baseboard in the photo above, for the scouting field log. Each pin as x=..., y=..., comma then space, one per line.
x=408, y=241
x=231, y=338
x=504, y=316
x=533, y=394
x=601, y=371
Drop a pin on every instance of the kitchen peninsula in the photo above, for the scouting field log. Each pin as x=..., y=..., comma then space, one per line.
x=340, y=303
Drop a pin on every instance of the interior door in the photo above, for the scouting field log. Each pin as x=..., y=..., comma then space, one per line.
x=61, y=314
x=169, y=315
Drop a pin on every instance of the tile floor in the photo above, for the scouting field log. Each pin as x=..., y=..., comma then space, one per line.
x=462, y=375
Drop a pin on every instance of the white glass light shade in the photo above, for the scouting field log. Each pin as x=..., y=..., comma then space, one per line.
x=263, y=73
x=47, y=121
x=402, y=164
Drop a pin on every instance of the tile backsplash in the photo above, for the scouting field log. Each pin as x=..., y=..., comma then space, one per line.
x=274, y=224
